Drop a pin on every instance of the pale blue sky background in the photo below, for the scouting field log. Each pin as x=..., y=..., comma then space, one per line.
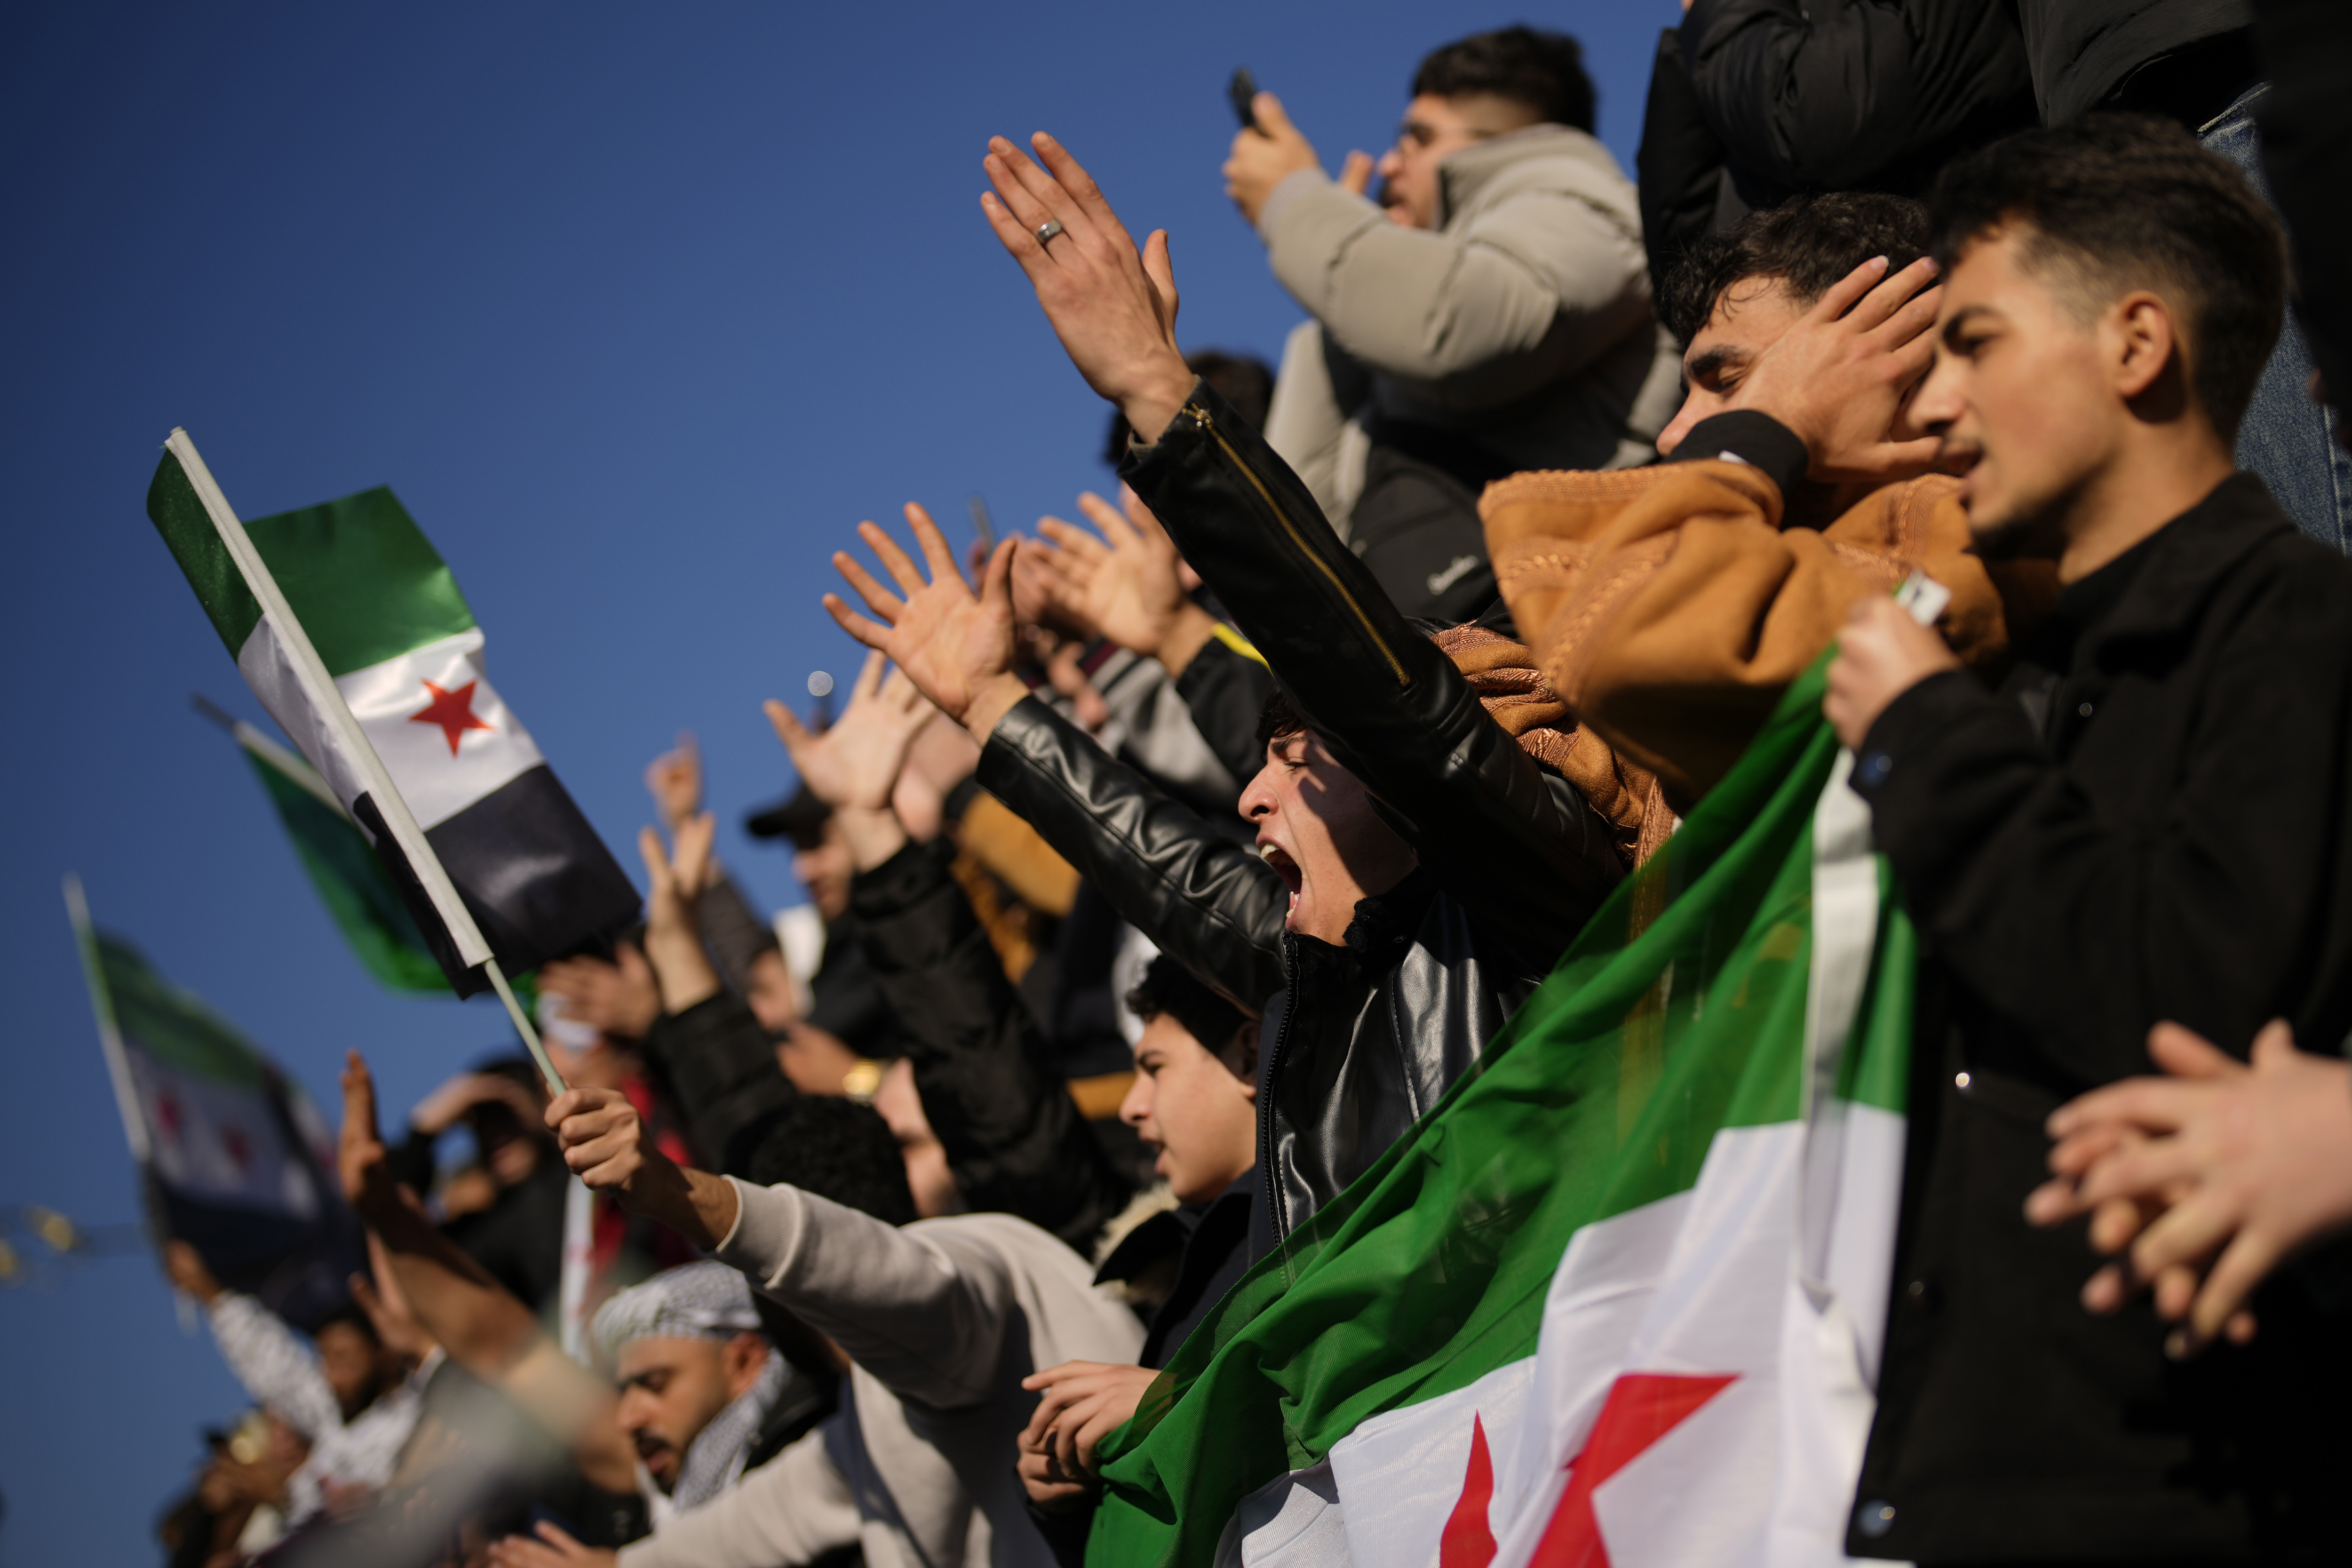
x=639, y=310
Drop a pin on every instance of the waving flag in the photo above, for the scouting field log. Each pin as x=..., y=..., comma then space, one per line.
x=362, y=595
x=358, y=892
x=237, y=1160
x=1618, y=1298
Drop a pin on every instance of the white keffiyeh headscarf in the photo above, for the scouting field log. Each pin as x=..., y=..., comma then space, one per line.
x=705, y=1300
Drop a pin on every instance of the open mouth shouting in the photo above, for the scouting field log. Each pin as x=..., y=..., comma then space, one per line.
x=1287, y=869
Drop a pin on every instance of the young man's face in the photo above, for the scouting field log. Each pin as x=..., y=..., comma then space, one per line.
x=1749, y=317
x=671, y=1389
x=1316, y=829
x=1432, y=128
x=353, y=1365
x=825, y=869
x=1197, y=1107
x=2022, y=394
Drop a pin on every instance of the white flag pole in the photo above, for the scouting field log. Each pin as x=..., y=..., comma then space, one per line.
x=327, y=700
x=110, y=1034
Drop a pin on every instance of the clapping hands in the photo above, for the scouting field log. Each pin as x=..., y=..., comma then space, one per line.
x=1125, y=583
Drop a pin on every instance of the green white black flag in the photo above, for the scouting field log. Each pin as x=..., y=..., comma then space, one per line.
x=351, y=630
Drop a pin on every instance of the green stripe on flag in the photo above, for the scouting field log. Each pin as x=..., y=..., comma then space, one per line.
x=351, y=881
x=1679, y=1012
x=180, y=517
x=362, y=578
x=174, y=1027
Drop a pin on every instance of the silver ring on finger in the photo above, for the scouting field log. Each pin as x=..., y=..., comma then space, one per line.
x=1048, y=230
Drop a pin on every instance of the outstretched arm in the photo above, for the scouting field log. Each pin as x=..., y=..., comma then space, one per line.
x=1393, y=709
x=1195, y=892
x=483, y=1329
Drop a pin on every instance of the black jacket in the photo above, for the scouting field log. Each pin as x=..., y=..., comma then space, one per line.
x=2306, y=123
x=2167, y=56
x=1844, y=95
x=988, y=1080
x=2171, y=839
x=1513, y=861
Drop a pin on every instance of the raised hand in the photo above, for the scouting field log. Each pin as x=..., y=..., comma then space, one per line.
x=956, y=647
x=672, y=930
x=1268, y=154
x=1113, y=306
x=620, y=999
x=1124, y=584
x=359, y=1147
x=2211, y=1176
x=855, y=765
x=1840, y=377
x=183, y=1266
x=606, y=1145
x=386, y=1306
x=675, y=781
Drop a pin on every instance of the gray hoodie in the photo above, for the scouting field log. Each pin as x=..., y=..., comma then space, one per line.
x=942, y=1319
x=1523, y=319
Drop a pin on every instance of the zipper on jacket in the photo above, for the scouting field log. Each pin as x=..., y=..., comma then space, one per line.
x=1277, y=1210
x=1364, y=621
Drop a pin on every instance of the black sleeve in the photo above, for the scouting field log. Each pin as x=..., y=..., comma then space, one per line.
x=1013, y=1137
x=1678, y=168
x=2306, y=121
x=1203, y=899
x=732, y=933
x=1532, y=862
x=2088, y=930
x=1226, y=692
x=1846, y=94
x=410, y=1161
x=1756, y=439
x=719, y=1067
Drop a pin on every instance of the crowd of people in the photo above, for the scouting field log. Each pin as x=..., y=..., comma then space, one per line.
x=1164, y=870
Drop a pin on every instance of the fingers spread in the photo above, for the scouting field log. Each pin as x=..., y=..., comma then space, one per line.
x=1843, y=295
x=895, y=561
x=878, y=599
x=873, y=634
x=934, y=544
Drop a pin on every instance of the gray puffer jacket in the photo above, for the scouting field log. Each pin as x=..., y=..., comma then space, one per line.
x=1523, y=320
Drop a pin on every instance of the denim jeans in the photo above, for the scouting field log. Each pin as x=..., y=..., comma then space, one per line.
x=2286, y=439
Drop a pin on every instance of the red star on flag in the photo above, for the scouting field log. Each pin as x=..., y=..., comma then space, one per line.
x=1642, y=1407
x=167, y=1116
x=239, y=1149
x=453, y=710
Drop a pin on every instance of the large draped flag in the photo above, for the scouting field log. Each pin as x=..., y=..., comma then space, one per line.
x=1617, y=1299
x=233, y=1158
x=351, y=630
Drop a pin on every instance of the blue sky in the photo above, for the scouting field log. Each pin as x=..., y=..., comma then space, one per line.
x=639, y=310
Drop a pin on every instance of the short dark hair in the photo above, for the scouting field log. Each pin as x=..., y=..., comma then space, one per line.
x=2112, y=201
x=1543, y=70
x=1241, y=380
x=838, y=1149
x=1168, y=987
x=349, y=1316
x=1280, y=719
x=1808, y=244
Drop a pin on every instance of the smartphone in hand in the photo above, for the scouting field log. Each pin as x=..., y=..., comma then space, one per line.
x=1242, y=91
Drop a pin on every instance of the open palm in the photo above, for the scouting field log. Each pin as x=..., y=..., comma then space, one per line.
x=950, y=642
x=855, y=765
x=1124, y=584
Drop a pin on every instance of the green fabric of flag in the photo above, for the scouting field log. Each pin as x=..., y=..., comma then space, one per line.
x=351, y=881
x=1680, y=1012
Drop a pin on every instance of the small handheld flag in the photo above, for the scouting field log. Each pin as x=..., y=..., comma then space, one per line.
x=351, y=632
x=233, y=1158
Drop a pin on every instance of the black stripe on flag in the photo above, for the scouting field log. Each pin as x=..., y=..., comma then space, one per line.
x=537, y=881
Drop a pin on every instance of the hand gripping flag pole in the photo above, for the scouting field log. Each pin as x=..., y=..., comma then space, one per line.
x=327, y=700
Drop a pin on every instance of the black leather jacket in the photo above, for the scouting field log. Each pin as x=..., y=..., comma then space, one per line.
x=1368, y=1034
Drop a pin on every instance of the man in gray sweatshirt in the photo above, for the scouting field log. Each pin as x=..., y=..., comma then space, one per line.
x=939, y=1323
x=1490, y=312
